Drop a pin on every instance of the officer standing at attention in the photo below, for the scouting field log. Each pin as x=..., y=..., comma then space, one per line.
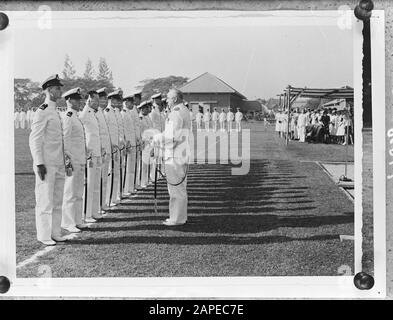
x=155, y=114
x=198, y=118
x=114, y=98
x=146, y=133
x=215, y=119
x=129, y=132
x=230, y=118
x=105, y=148
x=238, y=120
x=122, y=144
x=222, y=118
x=206, y=119
x=174, y=140
x=137, y=125
x=75, y=157
x=47, y=150
x=93, y=147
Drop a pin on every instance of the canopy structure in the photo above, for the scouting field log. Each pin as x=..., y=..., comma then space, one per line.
x=291, y=94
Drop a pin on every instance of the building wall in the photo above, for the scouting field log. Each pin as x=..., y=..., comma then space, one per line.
x=209, y=100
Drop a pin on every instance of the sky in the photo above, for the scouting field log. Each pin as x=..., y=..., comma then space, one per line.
x=257, y=60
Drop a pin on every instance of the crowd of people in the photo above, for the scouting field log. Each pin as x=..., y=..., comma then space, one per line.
x=103, y=147
x=325, y=126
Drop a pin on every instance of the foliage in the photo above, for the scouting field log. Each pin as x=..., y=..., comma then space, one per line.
x=152, y=86
x=69, y=70
x=104, y=72
x=89, y=71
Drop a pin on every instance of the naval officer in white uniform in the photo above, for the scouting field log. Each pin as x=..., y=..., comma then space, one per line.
x=129, y=132
x=75, y=154
x=105, y=148
x=93, y=147
x=175, y=141
x=114, y=98
x=230, y=118
x=47, y=150
x=146, y=134
x=238, y=120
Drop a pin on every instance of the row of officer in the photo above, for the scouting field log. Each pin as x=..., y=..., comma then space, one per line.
x=86, y=163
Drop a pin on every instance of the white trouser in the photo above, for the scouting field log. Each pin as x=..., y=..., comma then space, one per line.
x=238, y=126
x=113, y=181
x=222, y=125
x=92, y=196
x=123, y=166
x=16, y=124
x=229, y=126
x=104, y=176
x=178, y=199
x=22, y=123
x=138, y=169
x=130, y=174
x=215, y=125
x=198, y=125
x=302, y=134
x=145, y=165
x=207, y=125
x=49, y=199
x=73, y=197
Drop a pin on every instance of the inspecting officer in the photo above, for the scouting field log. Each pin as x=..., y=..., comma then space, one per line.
x=175, y=140
x=75, y=157
x=47, y=150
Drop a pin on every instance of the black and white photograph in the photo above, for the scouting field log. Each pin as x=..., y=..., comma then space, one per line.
x=195, y=144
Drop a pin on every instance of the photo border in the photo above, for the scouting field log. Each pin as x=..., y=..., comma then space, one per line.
x=226, y=287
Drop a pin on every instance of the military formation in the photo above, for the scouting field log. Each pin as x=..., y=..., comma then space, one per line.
x=89, y=157
x=216, y=121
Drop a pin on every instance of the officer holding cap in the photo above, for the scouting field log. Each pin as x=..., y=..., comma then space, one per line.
x=47, y=150
x=93, y=147
x=75, y=155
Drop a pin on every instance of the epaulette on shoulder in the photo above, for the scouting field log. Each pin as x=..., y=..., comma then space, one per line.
x=69, y=113
x=107, y=109
x=176, y=108
x=43, y=106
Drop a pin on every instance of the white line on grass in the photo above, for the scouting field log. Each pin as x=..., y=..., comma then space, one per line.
x=42, y=252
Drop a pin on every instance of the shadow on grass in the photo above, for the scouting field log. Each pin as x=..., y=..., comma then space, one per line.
x=223, y=223
x=223, y=240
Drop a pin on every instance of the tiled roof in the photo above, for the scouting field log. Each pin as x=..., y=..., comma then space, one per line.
x=208, y=83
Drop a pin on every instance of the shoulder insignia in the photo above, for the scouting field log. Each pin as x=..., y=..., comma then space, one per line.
x=176, y=108
x=107, y=109
x=43, y=106
x=69, y=113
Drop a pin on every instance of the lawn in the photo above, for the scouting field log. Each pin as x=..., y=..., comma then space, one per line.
x=283, y=218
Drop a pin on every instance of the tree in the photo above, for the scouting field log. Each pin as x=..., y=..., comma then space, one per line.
x=152, y=86
x=313, y=103
x=69, y=70
x=27, y=93
x=104, y=73
x=89, y=71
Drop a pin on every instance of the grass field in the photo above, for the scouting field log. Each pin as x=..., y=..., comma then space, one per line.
x=283, y=218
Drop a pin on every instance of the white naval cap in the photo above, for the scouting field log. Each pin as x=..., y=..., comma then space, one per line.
x=74, y=93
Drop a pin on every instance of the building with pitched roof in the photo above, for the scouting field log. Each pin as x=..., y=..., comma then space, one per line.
x=209, y=92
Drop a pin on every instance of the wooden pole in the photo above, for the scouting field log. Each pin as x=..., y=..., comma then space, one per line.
x=289, y=109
